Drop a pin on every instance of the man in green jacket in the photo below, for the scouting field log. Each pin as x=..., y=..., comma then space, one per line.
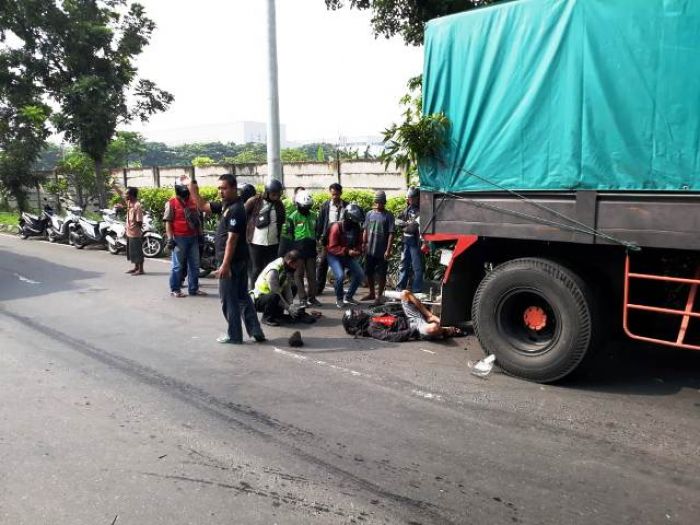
x=300, y=232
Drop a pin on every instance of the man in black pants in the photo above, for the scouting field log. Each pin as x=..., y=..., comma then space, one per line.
x=232, y=257
x=331, y=211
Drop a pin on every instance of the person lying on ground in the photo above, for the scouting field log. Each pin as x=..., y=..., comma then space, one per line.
x=422, y=320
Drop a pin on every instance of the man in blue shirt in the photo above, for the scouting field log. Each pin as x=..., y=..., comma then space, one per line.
x=377, y=240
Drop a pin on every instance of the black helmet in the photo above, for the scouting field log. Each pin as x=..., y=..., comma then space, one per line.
x=412, y=192
x=355, y=322
x=247, y=191
x=182, y=191
x=274, y=186
x=353, y=213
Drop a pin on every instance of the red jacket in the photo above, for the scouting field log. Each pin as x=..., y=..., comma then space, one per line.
x=341, y=240
x=180, y=226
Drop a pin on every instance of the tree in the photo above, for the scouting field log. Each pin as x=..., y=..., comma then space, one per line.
x=406, y=18
x=89, y=48
x=293, y=155
x=79, y=170
x=418, y=137
x=127, y=147
x=203, y=162
x=320, y=154
x=23, y=117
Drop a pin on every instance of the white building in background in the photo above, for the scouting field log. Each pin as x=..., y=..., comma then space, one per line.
x=240, y=132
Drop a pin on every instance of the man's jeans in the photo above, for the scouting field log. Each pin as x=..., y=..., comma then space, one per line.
x=338, y=265
x=237, y=304
x=186, y=253
x=411, y=258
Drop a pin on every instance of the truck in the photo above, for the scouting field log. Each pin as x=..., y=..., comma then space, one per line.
x=569, y=184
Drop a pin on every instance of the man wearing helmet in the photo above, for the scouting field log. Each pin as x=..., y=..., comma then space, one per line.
x=411, y=256
x=300, y=232
x=344, y=247
x=182, y=226
x=266, y=216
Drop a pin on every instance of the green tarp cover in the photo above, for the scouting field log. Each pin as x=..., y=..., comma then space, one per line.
x=566, y=94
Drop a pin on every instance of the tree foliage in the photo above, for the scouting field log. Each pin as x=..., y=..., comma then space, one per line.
x=125, y=150
x=23, y=122
x=418, y=136
x=87, y=51
x=405, y=17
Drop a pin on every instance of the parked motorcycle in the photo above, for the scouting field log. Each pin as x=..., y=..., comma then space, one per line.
x=59, y=226
x=207, y=254
x=31, y=225
x=152, y=241
x=85, y=231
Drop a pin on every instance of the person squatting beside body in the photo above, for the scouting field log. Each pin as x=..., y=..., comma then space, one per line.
x=273, y=289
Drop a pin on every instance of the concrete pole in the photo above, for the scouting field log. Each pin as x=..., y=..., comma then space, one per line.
x=274, y=165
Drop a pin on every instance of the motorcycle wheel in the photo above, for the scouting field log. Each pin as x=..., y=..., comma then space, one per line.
x=152, y=247
x=23, y=235
x=51, y=235
x=77, y=241
x=112, y=247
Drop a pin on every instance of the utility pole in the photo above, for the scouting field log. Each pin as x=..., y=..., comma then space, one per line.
x=274, y=164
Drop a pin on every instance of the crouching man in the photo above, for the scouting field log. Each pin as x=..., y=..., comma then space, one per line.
x=273, y=289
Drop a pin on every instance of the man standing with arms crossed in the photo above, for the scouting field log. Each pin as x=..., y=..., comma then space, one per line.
x=232, y=258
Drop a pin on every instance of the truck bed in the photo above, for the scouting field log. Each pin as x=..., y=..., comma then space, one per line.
x=651, y=220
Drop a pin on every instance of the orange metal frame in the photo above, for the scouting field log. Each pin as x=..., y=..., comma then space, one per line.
x=685, y=314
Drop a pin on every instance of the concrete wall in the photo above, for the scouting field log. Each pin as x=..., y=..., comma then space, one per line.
x=315, y=176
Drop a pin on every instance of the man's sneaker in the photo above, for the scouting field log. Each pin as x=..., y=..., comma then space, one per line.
x=224, y=339
x=349, y=301
x=315, y=302
x=269, y=321
x=303, y=303
x=260, y=338
x=340, y=304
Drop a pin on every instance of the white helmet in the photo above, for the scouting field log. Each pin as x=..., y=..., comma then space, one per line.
x=303, y=199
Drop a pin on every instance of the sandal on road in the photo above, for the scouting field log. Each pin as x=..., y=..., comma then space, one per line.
x=200, y=292
x=177, y=294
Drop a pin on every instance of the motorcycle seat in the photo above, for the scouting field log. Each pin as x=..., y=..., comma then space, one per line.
x=93, y=223
x=32, y=216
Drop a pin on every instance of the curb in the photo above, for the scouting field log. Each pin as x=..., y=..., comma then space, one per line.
x=9, y=228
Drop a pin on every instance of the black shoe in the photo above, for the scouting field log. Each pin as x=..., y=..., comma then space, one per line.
x=270, y=322
x=260, y=338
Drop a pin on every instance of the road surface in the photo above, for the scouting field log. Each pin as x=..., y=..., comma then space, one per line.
x=117, y=406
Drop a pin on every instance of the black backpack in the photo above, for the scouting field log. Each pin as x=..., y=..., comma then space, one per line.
x=391, y=328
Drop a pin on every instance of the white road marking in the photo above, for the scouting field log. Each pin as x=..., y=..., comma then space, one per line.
x=321, y=363
x=426, y=395
x=427, y=351
x=26, y=279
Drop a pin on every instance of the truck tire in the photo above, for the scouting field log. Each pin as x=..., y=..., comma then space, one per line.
x=536, y=316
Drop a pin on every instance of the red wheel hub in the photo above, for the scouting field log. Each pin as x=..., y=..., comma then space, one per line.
x=535, y=318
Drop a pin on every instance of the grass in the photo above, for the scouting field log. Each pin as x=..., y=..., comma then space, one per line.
x=9, y=218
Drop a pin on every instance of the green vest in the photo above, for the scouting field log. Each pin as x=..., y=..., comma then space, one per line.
x=262, y=286
x=300, y=226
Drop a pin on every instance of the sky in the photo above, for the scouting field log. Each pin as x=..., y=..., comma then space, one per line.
x=335, y=78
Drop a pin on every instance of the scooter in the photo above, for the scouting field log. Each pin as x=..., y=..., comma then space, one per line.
x=59, y=226
x=207, y=255
x=86, y=232
x=152, y=242
x=31, y=225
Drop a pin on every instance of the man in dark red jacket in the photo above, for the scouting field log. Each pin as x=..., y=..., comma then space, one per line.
x=182, y=225
x=344, y=247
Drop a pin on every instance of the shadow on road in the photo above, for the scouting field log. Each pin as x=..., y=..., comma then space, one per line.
x=626, y=367
x=22, y=276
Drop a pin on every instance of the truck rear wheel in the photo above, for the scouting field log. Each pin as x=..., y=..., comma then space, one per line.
x=536, y=316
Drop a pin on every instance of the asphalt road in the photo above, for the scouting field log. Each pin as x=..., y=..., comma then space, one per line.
x=117, y=406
